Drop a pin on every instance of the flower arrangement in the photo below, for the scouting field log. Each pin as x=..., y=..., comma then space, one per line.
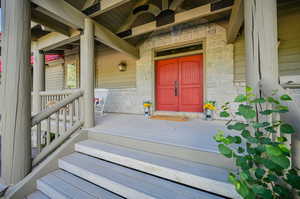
x=210, y=105
x=209, y=108
x=147, y=105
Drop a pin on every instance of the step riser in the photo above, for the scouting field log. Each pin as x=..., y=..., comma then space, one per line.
x=209, y=185
x=103, y=182
x=49, y=191
x=204, y=157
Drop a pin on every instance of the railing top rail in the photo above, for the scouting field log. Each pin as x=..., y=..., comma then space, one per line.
x=291, y=86
x=58, y=92
x=54, y=108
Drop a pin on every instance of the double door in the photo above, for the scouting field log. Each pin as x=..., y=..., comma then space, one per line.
x=179, y=84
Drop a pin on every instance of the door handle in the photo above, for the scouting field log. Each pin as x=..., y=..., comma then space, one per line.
x=176, y=87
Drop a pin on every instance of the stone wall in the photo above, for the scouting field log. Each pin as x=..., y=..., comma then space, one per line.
x=218, y=66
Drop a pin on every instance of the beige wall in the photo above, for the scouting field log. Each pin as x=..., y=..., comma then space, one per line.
x=108, y=74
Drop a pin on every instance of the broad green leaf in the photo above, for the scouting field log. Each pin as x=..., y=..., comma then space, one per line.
x=219, y=137
x=237, y=140
x=258, y=101
x=224, y=114
x=242, y=189
x=273, y=151
x=285, y=98
x=229, y=140
x=232, y=178
x=273, y=100
x=286, y=129
x=294, y=180
x=281, y=191
x=249, y=90
x=260, y=124
x=226, y=151
x=245, y=133
x=271, y=129
x=281, y=160
x=262, y=191
x=240, y=98
x=266, y=112
x=239, y=126
x=259, y=173
x=247, y=111
x=281, y=139
x=283, y=148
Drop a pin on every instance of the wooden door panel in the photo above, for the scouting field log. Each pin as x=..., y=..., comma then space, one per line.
x=191, y=84
x=166, y=76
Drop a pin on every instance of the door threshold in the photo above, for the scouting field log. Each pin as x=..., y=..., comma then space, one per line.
x=186, y=114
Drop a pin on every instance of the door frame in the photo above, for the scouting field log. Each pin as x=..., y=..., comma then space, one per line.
x=177, y=45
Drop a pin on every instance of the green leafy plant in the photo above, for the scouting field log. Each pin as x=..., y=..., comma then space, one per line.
x=260, y=149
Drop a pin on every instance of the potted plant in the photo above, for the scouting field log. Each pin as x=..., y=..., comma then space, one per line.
x=209, y=108
x=147, y=108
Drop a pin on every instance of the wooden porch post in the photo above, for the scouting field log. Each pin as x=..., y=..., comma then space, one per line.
x=38, y=78
x=16, y=91
x=261, y=42
x=88, y=72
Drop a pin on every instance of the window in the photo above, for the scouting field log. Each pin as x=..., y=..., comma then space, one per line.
x=71, y=76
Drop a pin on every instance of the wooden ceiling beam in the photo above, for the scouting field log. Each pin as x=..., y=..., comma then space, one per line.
x=103, y=6
x=182, y=17
x=175, y=4
x=67, y=14
x=236, y=21
x=54, y=40
x=44, y=20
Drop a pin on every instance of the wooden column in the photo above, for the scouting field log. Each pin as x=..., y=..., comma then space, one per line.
x=38, y=78
x=87, y=70
x=16, y=91
x=261, y=41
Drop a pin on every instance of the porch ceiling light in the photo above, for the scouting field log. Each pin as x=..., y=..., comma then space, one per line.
x=122, y=66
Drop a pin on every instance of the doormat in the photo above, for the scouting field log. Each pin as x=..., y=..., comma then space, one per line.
x=170, y=118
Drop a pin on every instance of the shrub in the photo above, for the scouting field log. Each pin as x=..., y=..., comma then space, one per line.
x=262, y=157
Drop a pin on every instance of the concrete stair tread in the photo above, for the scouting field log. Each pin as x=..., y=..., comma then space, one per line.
x=206, y=177
x=127, y=182
x=63, y=185
x=37, y=195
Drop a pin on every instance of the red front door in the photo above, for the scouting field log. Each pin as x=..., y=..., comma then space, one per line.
x=179, y=84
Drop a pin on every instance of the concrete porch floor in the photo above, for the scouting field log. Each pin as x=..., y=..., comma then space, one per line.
x=195, y=134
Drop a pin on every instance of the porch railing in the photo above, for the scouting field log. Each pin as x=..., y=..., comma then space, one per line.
x=50, y=130
x=50, y=98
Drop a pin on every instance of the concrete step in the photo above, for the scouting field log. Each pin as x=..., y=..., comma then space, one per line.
x=37, y=195
x=201, y=176
x=63, y=185
x=200, y=155
x=127, y=182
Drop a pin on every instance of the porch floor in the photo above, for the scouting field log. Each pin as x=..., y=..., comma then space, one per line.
x=195, y=134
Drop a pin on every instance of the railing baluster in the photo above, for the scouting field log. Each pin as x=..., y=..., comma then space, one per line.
x=71, y=112
x=57, y=125
x=65, y=118
x=48, y=139
x=38, y=137
x=77, y=109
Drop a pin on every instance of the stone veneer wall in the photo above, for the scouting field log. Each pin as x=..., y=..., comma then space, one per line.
x=218, y=65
